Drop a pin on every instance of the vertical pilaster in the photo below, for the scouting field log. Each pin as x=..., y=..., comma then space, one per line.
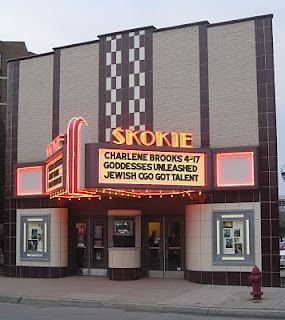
x=268, y=152
x=204, y=86
x=56, y=91
x=10, y=161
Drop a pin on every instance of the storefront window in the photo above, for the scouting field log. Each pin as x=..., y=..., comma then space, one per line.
x=35, y=238
x=233, y=237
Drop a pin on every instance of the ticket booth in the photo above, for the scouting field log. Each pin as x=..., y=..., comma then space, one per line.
x=124, y=244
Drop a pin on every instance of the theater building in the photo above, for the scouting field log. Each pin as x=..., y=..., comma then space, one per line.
x=146, y=153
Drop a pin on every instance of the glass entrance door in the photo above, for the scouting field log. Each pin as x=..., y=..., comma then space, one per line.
x=154, y=248
x=90, y=246
x=164, y=247
x=81, y=247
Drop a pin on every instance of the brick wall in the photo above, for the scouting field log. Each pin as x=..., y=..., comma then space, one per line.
x=35, y=108
x=10, y=50
x=79, y=87
x=176, y=81
x=232, y=85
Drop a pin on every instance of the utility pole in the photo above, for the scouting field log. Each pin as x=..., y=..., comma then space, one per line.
x=282, y=171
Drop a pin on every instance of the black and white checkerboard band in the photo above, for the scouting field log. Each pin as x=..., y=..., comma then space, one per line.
x=136, y=82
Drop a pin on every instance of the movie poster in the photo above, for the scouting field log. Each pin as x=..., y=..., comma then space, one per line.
x=233, y=237
x=238, y=237
x=98, y=235
x=81, y=235
x=35, y=241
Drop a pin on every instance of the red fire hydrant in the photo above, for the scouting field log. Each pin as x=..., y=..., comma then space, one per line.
x=255, y=281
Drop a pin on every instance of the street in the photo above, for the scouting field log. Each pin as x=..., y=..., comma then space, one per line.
x=29, y=312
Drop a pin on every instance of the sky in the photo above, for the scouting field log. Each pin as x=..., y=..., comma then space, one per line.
x=45, y=24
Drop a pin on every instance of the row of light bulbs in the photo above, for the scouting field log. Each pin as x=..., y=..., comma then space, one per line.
x=160, y=195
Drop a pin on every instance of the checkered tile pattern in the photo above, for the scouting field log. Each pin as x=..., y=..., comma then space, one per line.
x=126, y=70
x=136, y=80
x=113, y=96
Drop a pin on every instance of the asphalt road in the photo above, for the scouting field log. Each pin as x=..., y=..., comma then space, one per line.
x=28, y=312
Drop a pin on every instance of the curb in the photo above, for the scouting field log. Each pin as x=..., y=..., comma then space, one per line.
x=159, y=308
x=7, y=299
x=246, y=313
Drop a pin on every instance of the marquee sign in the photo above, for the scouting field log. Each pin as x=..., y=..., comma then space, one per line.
x=136, y=162
x=56, y=144
x=54, y=173
x=146, y=168
x=152, y=138
x=54, y=165
x=156, y=168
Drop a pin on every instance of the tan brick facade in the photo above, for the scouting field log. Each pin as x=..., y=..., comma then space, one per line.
x=199, y=235
x=79, y=87
x=214, y=80
x=232, y=85
x=35, y=108
x=176, y=88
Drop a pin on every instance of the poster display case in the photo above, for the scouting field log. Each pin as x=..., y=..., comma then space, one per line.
x=98, y=246
x=35, y=236
x=233, y=237
x=81, y=235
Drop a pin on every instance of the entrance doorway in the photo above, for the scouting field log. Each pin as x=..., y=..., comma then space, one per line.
x=89, y=246
x=163, y=247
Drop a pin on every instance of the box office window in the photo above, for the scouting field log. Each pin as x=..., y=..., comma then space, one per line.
x=123, y=232
x=233, y=238
x=35, y=238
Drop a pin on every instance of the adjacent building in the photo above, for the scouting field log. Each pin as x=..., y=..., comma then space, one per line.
x=8, y=50
x=282, y=216
x=146, y=153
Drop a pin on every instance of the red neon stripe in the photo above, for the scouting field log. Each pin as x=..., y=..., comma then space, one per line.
x=73, y=154
x=77, y=150
x=19, y=187
x=69, y=173
x=219, y=178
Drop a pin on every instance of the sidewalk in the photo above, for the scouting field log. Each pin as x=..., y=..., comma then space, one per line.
x=178, y=296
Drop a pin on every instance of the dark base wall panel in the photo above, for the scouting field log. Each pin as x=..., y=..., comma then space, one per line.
x=123, y=274
x=269, y=279
x=35, y=272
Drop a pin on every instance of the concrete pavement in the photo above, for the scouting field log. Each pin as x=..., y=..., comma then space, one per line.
x=10, y=311
x=178, y=296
